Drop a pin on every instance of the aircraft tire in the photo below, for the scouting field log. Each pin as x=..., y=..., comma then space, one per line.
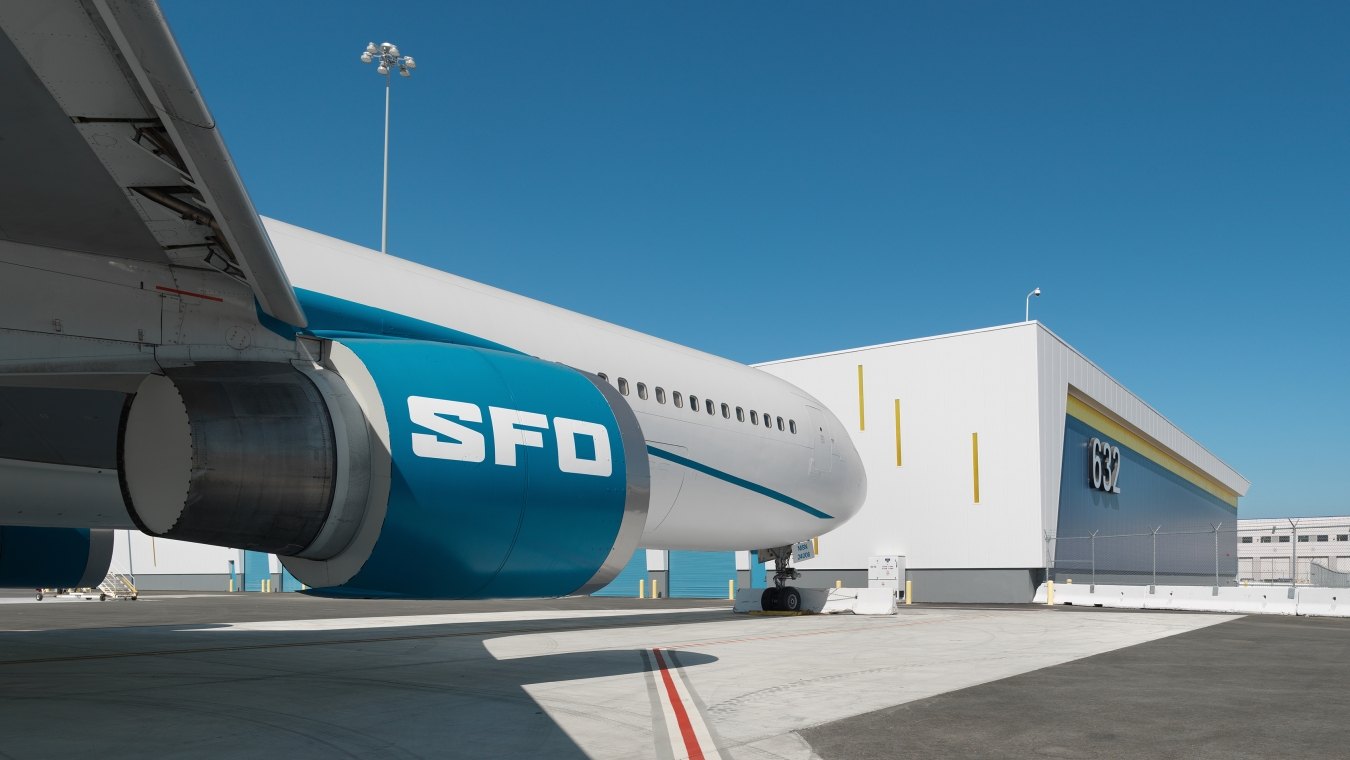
x=769, y=600
x=790, y=599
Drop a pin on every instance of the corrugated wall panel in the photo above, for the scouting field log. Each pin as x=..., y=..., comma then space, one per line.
x=626, y=584
x=701, y=575
x=257, y=568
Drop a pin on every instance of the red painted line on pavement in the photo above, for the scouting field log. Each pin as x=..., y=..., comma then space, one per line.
x=681, y=716
x=189, y=293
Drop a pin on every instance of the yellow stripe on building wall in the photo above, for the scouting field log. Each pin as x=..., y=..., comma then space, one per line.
x=899, y=460
x=1079, y=409
x=862, y=416
x=975, y=463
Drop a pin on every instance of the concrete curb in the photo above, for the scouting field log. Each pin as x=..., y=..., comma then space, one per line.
x=859, y=601
x=1259, y=600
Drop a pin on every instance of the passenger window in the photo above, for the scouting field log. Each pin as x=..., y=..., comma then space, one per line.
x=623, y=386
x=678, y=399
x=602, y=376
x=693, y=403
x=740, y=414
x=754, y=417
x=642, y=391
x=726, y=412
x=660, y=395
x=710, y=406
x=792, y=426
x=768, y=421
x=780, y=423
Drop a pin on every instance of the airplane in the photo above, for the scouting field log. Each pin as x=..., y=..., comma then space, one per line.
x=171, y=361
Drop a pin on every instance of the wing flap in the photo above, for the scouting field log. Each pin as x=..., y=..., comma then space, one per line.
x=125, y=155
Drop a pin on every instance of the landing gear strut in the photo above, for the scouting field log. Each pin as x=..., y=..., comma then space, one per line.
x=781, y=597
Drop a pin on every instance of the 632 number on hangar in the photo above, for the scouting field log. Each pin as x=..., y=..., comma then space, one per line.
x=1104, y=467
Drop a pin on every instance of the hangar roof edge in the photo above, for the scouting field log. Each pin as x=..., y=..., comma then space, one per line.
x=1245, y=483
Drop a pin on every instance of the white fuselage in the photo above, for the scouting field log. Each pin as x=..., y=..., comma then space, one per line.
x=720, y=480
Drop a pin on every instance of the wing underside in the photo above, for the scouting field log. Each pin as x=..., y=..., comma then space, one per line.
x=108, y=149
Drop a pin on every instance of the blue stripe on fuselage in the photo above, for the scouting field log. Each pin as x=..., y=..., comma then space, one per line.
x=331, y=317
x=735, y=481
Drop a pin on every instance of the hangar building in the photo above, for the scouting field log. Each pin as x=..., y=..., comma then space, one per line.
x=994, y=456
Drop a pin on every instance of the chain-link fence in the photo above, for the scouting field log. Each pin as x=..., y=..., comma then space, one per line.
x=1189, y=555
x=1306, y=551
x=1301, y=551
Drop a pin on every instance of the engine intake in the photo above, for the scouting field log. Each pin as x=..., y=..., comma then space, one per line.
x=240, y=454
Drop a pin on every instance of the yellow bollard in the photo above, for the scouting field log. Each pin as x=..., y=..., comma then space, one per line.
x=231, y=585
x=838, y=584
x=1049, y=592
x=1069, y=581
x=731, y=590
x=642, y=588
x=909, y=592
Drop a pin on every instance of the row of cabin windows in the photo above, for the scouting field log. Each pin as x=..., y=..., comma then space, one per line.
x=706, y=405
x=1321, y=538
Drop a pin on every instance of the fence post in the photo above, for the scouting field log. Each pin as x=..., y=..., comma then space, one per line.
x=1047, y=556
x=1216, y=557
x=1293, y=562
x=1093, y=588
x=1153, y=589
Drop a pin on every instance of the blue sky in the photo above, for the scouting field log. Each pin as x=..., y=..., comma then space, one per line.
x=763, y=180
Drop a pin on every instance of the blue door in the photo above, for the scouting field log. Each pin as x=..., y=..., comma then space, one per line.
x=257, y=567
x=626, y=584
x=701, y=575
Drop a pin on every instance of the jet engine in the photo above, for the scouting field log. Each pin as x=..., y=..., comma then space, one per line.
x=394, y=468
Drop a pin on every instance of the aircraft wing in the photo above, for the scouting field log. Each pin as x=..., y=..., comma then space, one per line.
x=108, y=149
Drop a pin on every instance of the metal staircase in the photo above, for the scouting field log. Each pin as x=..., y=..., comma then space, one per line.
x=117, y=585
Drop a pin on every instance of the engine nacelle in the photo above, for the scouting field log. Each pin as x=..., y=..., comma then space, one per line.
x=54, y=557
x=398, y=468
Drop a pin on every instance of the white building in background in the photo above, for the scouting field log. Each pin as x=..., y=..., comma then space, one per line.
x=160, y=564
x=1319, y=547
x=979, y=448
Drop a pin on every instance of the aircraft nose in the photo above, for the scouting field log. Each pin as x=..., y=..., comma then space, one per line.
x=852, y=477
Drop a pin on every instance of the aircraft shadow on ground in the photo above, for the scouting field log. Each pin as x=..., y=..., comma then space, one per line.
x=433, y=690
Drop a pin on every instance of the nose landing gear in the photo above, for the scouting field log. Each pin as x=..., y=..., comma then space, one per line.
x=781, y=597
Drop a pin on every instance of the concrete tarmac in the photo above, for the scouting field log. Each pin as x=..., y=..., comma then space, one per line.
x=1261, y=686
x=233, y=675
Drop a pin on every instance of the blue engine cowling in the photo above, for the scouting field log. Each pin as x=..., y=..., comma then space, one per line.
x=54, y=557
x=491, y=475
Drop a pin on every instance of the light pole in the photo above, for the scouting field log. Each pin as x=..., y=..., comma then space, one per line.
x=1037, y=294
x=386, y=53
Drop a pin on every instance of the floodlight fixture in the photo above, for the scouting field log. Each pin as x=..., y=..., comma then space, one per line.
x=388, y=57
